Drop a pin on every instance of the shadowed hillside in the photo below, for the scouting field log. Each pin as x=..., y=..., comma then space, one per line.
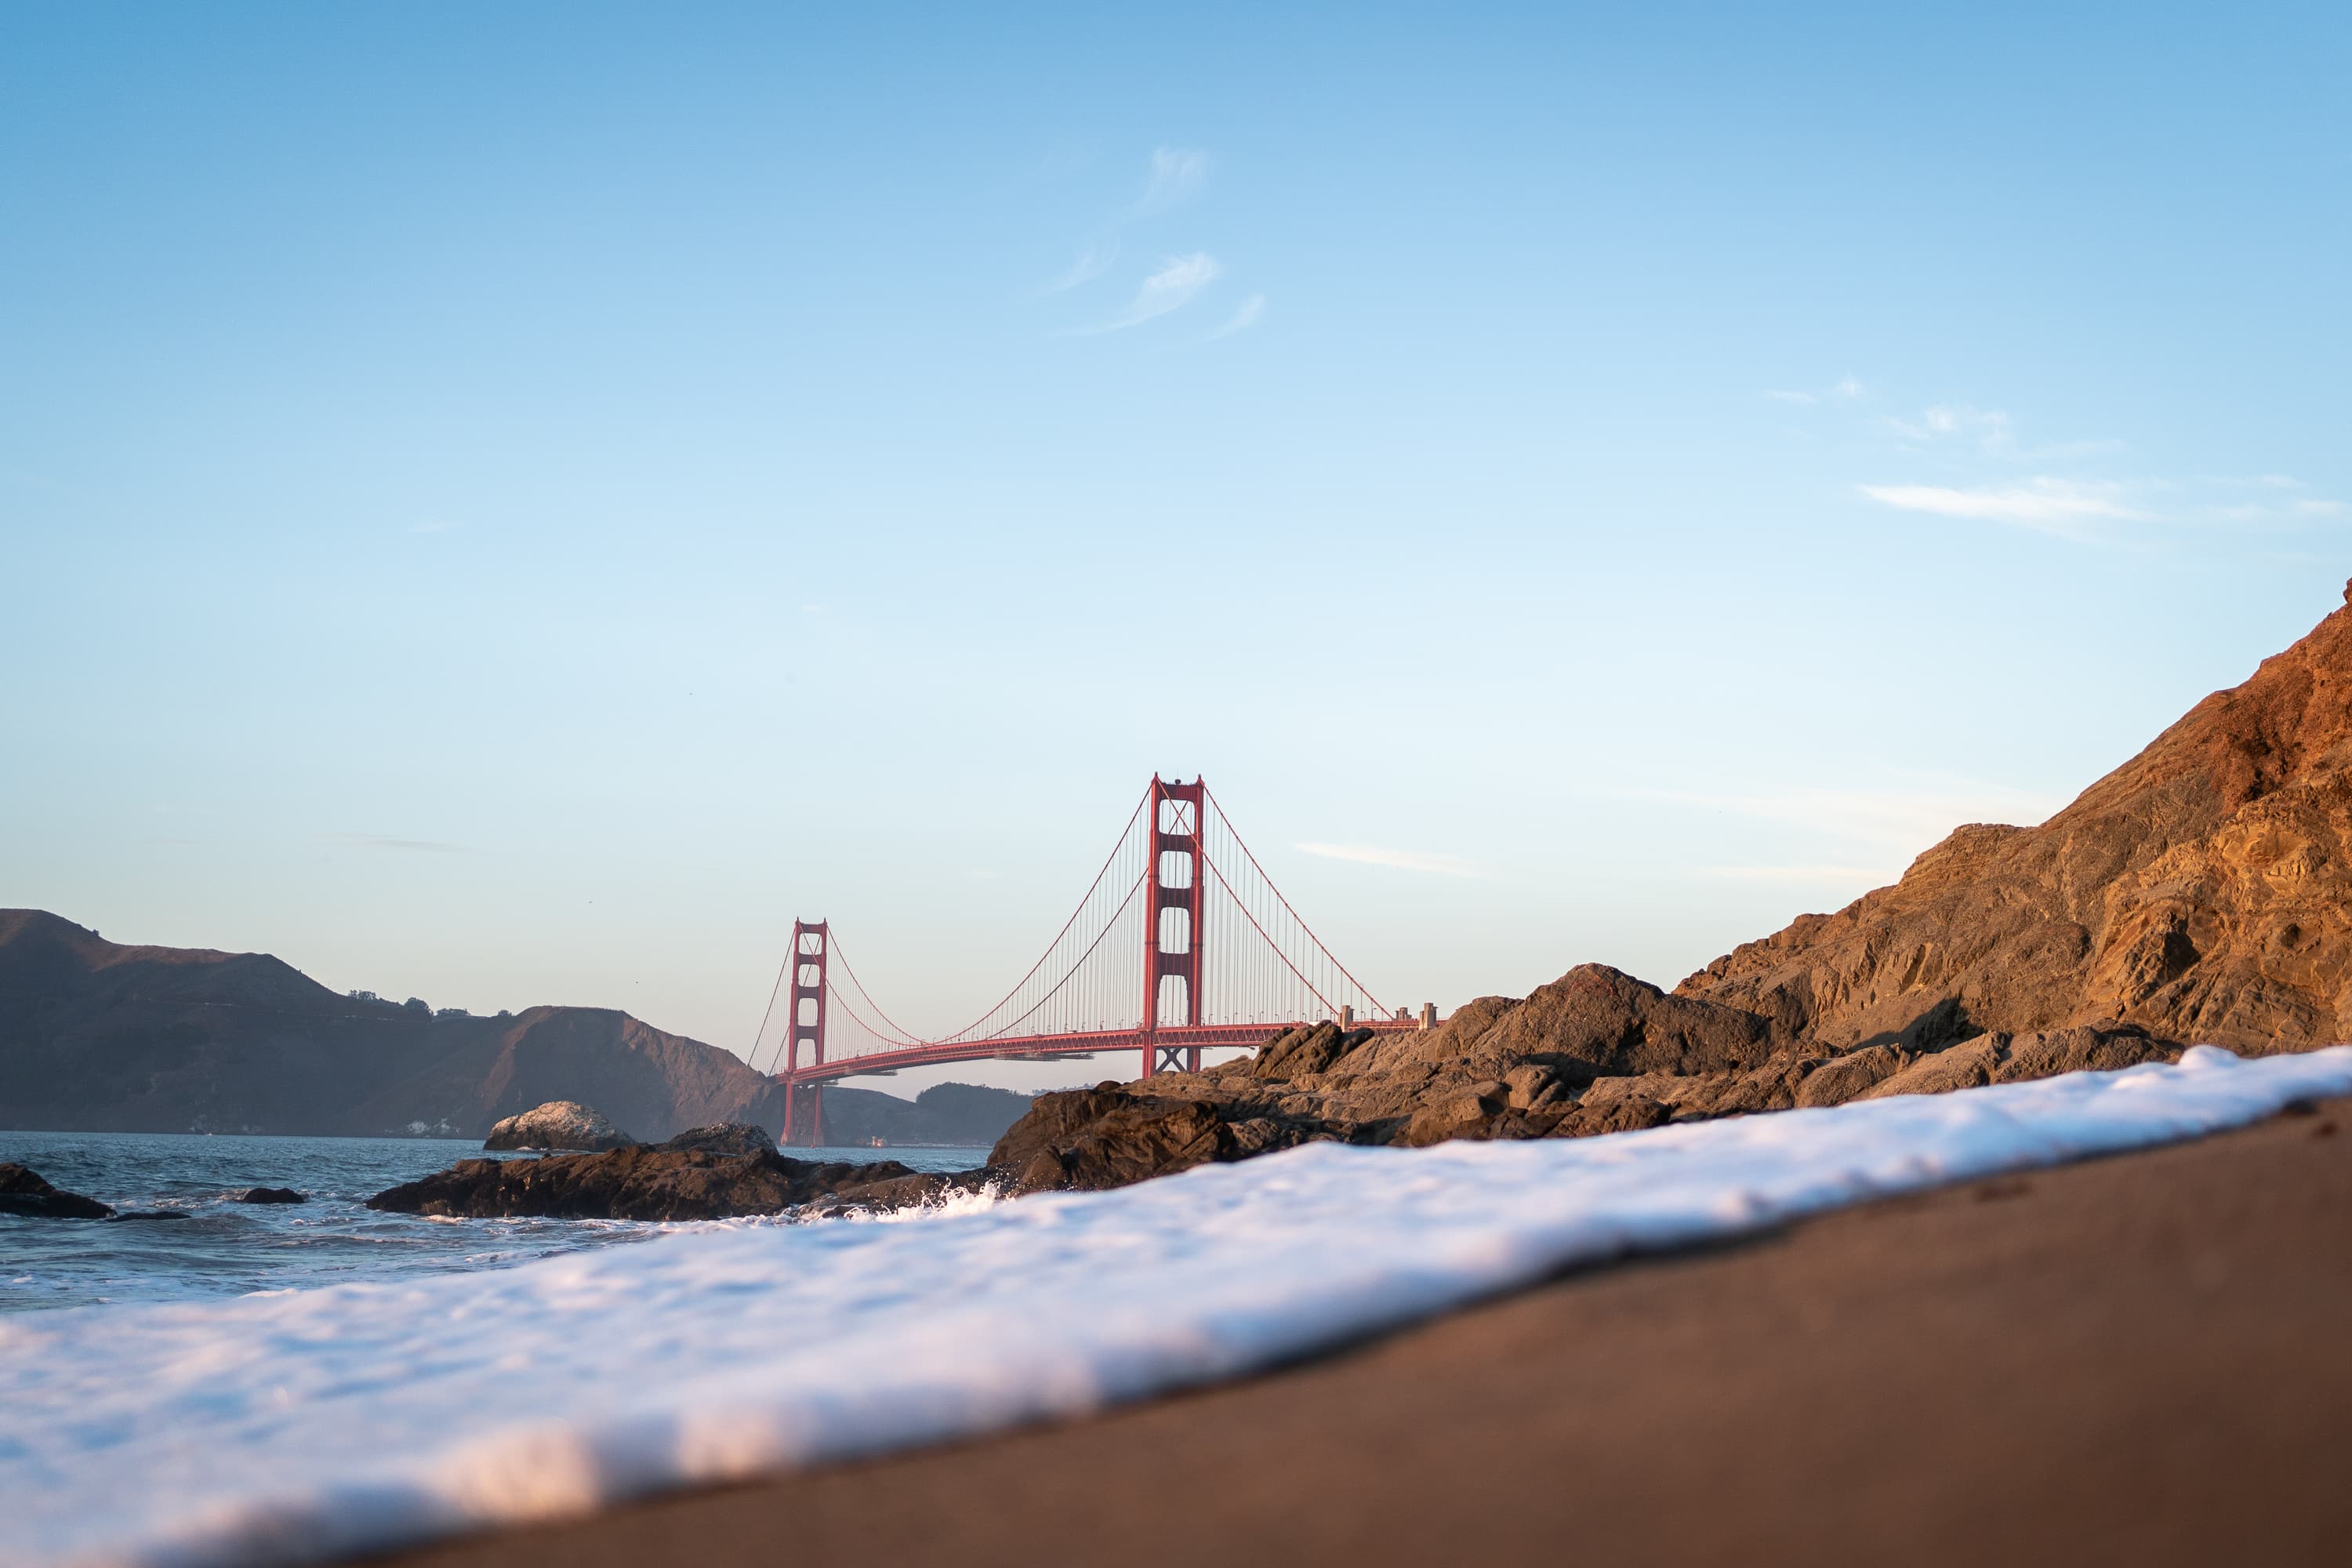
x=945, y=1113
x=98, y=1037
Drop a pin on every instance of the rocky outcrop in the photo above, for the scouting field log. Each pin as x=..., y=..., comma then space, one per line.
x=25, y=1193
x=1108, y=1136
x=725, y=1138
x=2201, y=892
x=557, y=1124
x=641, y=1183
x=269, y=1195
x=2005, y=1058
x=1499, y=1067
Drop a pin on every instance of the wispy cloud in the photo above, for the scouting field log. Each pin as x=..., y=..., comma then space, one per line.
x=2277, y=498
x=1174, y=286
x=1990, y=428
x=1845, y=389
x=386, y=841
x=1242, y=319
x=1981, y=468
x=2052, y=505
x=1092, y=263
x=1177, y=176
x=1400, y=859
x=431, y=525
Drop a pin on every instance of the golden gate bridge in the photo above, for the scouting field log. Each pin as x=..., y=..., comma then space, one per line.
x=1182, y=944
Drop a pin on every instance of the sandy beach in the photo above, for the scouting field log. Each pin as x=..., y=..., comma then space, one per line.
x=2135, y=1359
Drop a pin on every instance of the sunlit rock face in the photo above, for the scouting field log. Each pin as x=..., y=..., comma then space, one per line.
x=557, y=1124
x=2201, y=892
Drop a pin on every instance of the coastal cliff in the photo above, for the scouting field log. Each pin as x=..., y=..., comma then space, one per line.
x=2196, y=895
x=2201, y=892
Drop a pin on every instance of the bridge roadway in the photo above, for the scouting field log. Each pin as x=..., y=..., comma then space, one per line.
x=1058, y=1048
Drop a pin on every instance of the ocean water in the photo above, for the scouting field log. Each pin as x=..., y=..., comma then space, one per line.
x=297, y=1426
x=225, y=1249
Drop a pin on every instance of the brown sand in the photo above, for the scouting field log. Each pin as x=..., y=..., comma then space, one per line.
x=2140, y=1360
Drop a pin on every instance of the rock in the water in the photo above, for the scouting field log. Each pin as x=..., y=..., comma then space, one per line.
x=648, y=1183
x=145, y=1214
x=269, y=1195
x=25, y=1193
x=724, y=1138
x=557, y=1124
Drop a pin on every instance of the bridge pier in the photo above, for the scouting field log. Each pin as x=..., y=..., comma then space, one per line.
x=812, y=945
x=1171, y=926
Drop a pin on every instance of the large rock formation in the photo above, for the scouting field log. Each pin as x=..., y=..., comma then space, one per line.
x=2201, y=892
x=557, y=1124
x=1498, y=1068
x=725, y=1138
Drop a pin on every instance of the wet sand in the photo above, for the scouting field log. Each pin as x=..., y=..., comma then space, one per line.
x=2147, y=1359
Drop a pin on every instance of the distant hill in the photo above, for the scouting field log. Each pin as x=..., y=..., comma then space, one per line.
x=943, y=1113
x=98, y=1037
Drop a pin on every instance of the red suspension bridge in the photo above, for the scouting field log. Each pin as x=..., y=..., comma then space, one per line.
x=1224, y=961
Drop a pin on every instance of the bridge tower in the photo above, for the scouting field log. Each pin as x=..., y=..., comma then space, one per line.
x=812, y=945
x=1172, y=928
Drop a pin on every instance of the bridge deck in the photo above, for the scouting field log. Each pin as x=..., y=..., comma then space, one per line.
x=1059, y=1047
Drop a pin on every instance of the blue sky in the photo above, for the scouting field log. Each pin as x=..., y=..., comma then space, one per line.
x=516, y=505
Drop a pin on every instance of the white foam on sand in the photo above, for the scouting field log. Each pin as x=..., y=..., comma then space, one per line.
x=302, y=1424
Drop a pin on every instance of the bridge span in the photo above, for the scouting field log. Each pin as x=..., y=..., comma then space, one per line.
x=1182, y=944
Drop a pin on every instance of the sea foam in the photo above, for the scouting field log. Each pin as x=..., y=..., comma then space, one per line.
x=299, y=1425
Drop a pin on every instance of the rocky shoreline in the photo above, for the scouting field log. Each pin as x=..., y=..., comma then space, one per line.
x=1595, y=1052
